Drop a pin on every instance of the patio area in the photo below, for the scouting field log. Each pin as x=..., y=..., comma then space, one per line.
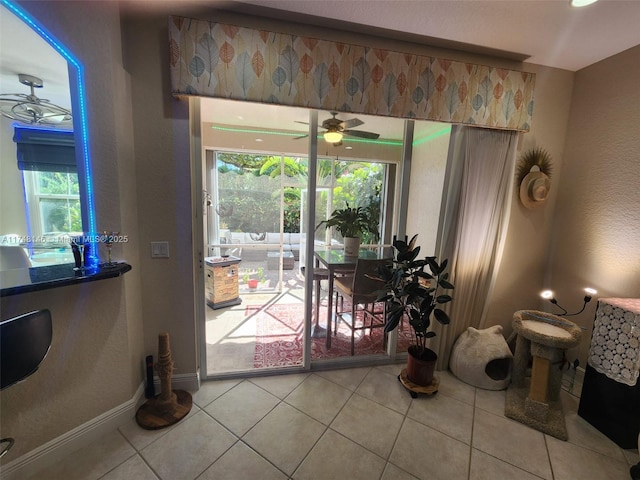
x=266, y=329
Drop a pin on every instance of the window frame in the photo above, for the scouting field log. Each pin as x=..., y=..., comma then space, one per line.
x=33, y=196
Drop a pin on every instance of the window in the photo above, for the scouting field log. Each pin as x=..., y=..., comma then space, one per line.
x=358, y=184
x=245, y=202
x=53, y=203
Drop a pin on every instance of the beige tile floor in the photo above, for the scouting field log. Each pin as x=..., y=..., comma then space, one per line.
x=347, y=424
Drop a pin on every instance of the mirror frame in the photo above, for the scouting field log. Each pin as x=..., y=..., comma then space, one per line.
x=80, y=125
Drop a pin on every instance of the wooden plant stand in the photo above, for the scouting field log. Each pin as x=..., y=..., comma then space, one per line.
x=415, y=389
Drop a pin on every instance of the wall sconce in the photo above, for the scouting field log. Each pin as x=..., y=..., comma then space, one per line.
x=548, y=295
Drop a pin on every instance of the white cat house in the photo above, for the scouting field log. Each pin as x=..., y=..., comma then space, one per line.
x=482, y=358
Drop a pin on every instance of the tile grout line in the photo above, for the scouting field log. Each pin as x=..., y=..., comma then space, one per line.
x=263, y=457
x=475, y=408
x=283, y=401
x=387, y=459
x=546, y=446
x=506, y=461
x=222, y=454
x=473, y=422
x=395, y=441
x=295, y=470
x=139, y=454
x=328, y=426
x=351, y=391
x=239, y=439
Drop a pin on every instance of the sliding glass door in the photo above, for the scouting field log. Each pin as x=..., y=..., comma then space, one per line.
x=246, y=218
x=256, y=192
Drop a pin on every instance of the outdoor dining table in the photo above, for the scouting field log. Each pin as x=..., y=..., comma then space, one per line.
x=334, y=260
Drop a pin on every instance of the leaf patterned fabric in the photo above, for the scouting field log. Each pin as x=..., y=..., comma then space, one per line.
x=211, y=59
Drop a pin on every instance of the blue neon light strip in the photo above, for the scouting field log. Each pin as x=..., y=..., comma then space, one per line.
x=84, y=129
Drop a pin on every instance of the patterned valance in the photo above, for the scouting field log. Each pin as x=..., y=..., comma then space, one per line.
x=218, y=60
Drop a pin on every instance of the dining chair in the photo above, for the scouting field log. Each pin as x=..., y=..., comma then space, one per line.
x=361, y=289
x=319, y=275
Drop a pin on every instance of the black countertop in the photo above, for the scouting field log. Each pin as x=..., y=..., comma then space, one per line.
x=24, y=280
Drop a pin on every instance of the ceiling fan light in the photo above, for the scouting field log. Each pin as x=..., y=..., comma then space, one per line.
x=332, y=137
x=582, y=3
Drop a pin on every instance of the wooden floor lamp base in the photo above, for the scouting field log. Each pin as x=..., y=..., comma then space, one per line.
x=153, y=415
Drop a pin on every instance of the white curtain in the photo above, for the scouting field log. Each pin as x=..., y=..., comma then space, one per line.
x=477, y=203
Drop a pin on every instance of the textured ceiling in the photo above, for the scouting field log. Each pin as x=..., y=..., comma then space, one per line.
x=548, y=32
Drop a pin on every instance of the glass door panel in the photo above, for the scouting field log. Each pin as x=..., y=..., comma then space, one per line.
x=248, y=207
x=430, y=148
x=358, y=171
x=253, y=217
x=257, y=211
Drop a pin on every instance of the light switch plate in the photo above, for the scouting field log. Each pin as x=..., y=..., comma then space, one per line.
x=159, y=249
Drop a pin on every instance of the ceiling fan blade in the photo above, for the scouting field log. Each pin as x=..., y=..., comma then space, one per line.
x=353, y=122
x=361, y=134
x=304, y=123
x=302, y=136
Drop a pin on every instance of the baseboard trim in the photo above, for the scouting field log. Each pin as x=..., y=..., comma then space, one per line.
x=181, y=381
x=59, y=447
x=65, y=444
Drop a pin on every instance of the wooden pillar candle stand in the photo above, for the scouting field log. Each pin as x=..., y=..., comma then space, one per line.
x=170, y=406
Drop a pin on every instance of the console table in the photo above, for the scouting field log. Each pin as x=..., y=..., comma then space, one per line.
x=24, y=280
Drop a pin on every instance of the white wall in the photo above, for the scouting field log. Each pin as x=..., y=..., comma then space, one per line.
x=96, y=360
x=140, y=146
x=162, y=164
x=588, y=233
x=596, y=228
x=428, y=166
x=522, y=273
x=13, y=219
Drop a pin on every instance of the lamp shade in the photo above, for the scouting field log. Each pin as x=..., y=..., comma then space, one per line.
x=332, y=137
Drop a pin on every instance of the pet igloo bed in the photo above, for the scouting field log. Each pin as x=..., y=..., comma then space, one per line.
x=482, y=358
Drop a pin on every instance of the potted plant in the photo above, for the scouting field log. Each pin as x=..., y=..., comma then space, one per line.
x=414, y=293
x=351, y=222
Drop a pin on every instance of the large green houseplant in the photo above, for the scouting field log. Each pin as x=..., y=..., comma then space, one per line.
x=414, y=289
x=351, y=222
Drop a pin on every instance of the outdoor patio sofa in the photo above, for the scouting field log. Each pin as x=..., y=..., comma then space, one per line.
x=260, y=244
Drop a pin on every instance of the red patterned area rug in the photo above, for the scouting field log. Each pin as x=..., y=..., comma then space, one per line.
x=279, y=330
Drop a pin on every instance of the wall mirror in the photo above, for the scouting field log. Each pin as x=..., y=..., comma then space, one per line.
x=43, y=190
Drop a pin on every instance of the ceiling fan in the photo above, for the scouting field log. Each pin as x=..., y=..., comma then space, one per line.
x=30, y=109
x=336, y=129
